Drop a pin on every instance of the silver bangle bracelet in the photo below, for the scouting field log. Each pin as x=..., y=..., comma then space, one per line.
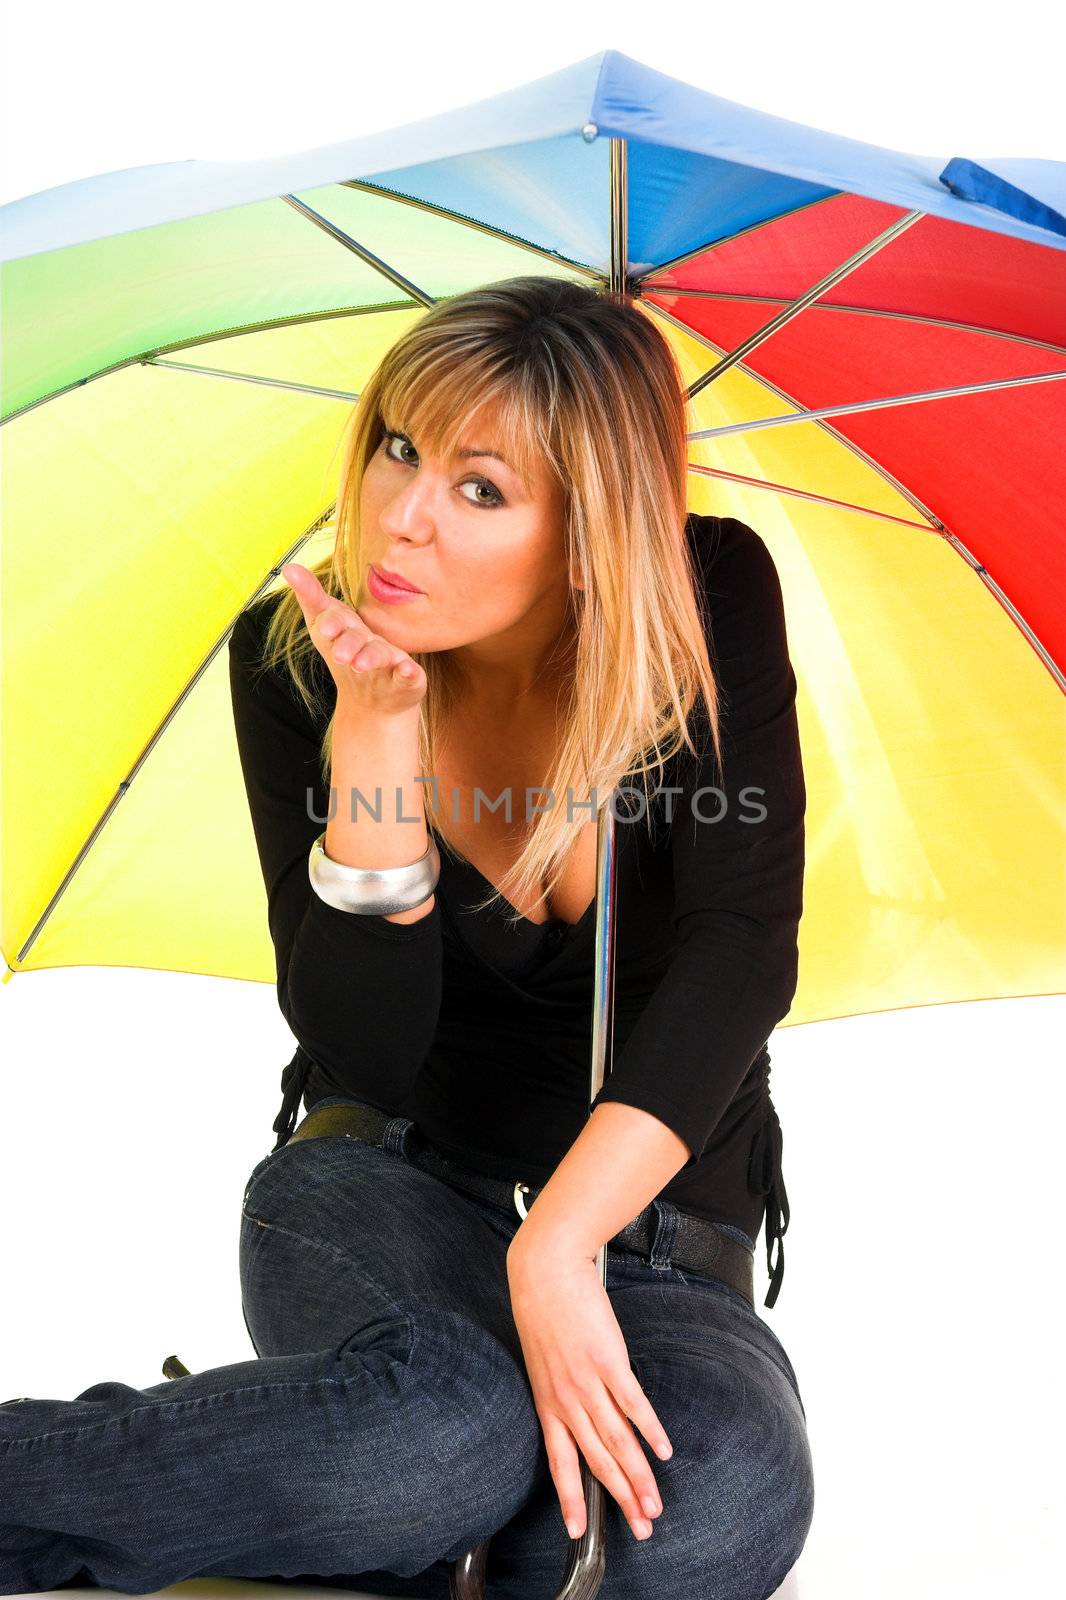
x=372, y=891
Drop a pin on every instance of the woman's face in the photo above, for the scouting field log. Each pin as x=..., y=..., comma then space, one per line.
x=484, y=548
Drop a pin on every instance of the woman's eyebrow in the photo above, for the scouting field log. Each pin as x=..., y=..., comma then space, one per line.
x=494, y=455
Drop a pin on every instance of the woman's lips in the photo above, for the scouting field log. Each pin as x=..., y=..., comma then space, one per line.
x=391, y=593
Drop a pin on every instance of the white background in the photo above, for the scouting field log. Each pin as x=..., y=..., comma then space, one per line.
x=922, y=1147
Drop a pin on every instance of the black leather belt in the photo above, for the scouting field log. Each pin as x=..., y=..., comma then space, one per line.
x=699, y=1246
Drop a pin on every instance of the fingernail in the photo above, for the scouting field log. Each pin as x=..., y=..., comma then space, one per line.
x=642, y=1530
x=651, y=1506
x=665, y=1451
x=573, y=1529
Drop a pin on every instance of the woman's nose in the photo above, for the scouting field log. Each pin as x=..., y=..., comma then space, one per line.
x=410, y=511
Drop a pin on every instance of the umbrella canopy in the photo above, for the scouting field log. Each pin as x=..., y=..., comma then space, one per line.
x=874, y=342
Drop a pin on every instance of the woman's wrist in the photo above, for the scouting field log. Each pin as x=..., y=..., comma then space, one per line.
x=376, y=812
x=538, y=1247
x=353, y=722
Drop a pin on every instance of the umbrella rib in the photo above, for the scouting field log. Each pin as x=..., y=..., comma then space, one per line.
x=795, y=307
x=834, y=433
x=937, y=526
x=730, y=238
x=144, y=356
x=317, y=316
x=804, y=494
x=339, y=236
x=863, y=311
x=877, y=405
x=249, y=377
x=160, y=729
x=469, y=222
x=1009, y=607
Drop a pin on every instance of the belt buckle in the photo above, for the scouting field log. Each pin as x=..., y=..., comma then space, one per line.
x=521, y=1189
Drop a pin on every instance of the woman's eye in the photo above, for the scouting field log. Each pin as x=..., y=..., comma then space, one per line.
x=404, y=444
x=483, y=483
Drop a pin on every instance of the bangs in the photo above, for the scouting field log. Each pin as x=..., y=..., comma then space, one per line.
x=434, y=396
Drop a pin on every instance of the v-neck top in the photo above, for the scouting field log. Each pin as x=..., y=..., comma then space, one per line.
x=517, y=948
x=479, y=1027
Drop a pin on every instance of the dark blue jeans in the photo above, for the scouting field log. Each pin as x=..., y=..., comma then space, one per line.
x=388, y=1426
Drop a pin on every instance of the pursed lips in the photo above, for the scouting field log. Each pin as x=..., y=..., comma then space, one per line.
x=395, y=580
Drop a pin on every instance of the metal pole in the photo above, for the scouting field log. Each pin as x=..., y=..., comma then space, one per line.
x=586, y=1559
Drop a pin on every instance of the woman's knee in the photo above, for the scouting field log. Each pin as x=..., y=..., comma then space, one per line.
x=464, y=1434
x=738, y=1491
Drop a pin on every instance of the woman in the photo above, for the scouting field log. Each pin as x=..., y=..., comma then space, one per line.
x=517, y=617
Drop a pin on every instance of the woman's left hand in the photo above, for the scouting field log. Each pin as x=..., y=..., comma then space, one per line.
x=584, y=1388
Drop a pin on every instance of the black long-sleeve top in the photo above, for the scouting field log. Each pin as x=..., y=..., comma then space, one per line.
x=482, y=1031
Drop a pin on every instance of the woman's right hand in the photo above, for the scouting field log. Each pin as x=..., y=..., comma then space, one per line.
x=373, y=676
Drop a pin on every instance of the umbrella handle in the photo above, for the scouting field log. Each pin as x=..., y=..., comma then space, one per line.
x=466, y=1579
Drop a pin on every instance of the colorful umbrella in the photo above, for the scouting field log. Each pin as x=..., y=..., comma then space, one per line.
x=875, y=344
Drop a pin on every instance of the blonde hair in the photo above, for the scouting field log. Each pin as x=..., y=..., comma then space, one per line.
x=585, y=380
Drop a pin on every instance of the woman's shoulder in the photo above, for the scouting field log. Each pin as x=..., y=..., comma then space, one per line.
x=721, y=542
x=248, y=633
x=273, y=685
x=737, y=573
